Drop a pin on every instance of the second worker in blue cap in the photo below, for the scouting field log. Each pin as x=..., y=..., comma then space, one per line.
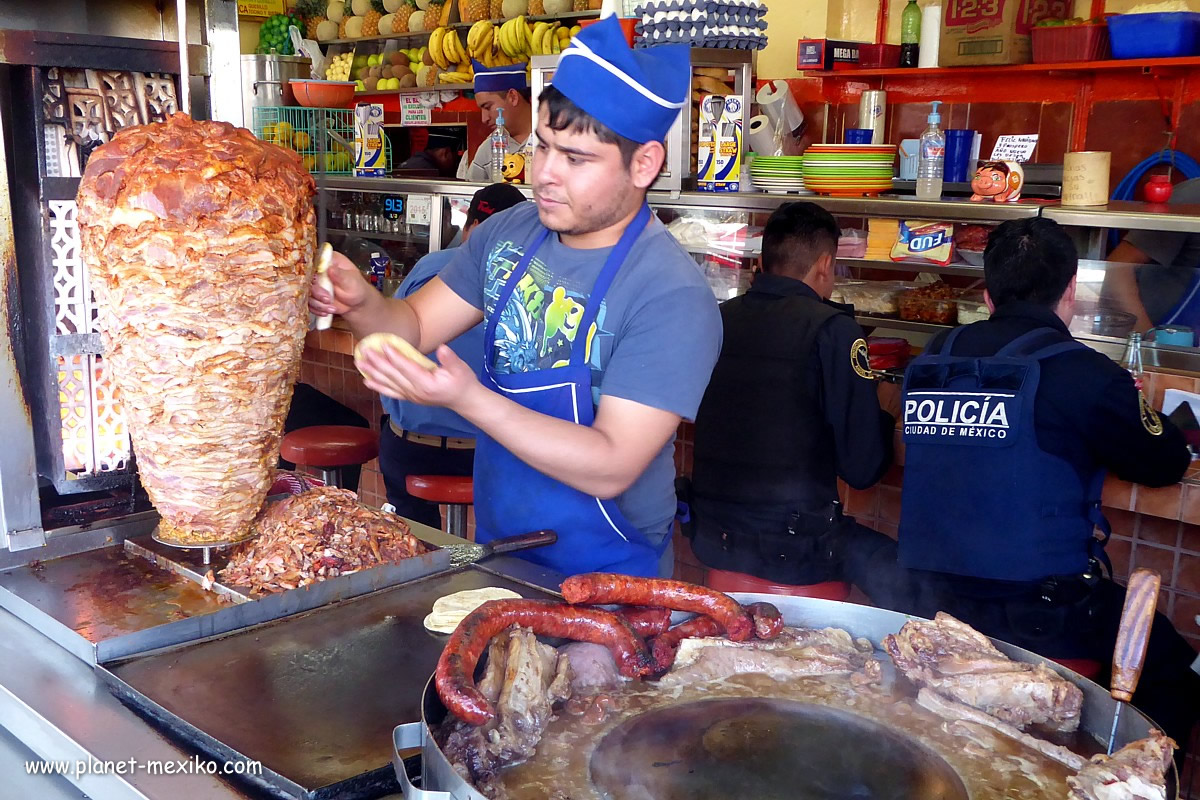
x=600, y=332
x=502, y=93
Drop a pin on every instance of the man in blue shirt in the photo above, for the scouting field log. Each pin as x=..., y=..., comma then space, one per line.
x=431, y=440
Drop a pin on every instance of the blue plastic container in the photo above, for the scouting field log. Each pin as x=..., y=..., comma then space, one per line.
x=1164, y=35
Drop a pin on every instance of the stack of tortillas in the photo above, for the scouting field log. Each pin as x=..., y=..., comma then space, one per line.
x=450, y=610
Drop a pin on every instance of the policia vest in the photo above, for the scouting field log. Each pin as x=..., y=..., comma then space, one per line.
x=761, y=436
x=764, y=483
x=981, y=498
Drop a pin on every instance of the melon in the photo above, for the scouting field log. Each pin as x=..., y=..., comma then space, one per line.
x=327, y=30
x=385, y=24
x=392, y=6
x=417, y=21
x=336, y=10
x=555, y=7
x=360, y=7
x=514, y=8
x=354, y=27
x=422, y=5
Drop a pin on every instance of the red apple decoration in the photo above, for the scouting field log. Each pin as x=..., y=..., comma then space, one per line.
x=1158, y=189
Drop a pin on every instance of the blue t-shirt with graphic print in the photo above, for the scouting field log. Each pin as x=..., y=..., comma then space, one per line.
x=654, y=342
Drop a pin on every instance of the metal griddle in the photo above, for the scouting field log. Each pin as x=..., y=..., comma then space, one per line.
x=133, y=595
x=313, y=697
x=766, y=749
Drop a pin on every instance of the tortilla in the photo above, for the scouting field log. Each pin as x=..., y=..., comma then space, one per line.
x=449, y=610
x=377, y=341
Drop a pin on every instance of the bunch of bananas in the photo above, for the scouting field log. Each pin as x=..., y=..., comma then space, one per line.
x=515, y=36
x=446, y=49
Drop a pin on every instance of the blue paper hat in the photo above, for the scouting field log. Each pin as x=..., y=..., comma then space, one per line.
x=636, y=93
x=499, y=79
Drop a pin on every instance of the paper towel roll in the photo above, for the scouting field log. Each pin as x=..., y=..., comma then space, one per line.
x=1085, y=178
x=762, y=137
x=775, y=100
x=931, y=35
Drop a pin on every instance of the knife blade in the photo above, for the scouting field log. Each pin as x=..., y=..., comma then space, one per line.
x=1141, y=599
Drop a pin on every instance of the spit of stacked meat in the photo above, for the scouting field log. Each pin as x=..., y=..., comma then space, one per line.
x=199, y=239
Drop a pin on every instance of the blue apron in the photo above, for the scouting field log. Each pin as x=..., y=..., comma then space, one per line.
x=1016, y=512
x=1187, y=308
x=512, y=497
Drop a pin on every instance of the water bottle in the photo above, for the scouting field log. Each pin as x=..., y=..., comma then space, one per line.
x=931, y=158
x=499, y=149
x=910, y=34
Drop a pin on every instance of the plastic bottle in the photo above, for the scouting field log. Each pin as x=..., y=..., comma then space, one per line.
x=931, y=155
x=910, y=34
x=499, y=149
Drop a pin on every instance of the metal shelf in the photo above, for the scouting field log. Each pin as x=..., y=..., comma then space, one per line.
x=384, y=236
x=914, y=266
x=571, y=17
x=441, y=87
x=1124, y=215
x=895, y=324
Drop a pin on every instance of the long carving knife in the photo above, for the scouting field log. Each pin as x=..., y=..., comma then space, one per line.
x=325, y=251
x=1141, y=599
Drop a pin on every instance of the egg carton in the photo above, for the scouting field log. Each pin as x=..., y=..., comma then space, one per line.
x=730, y=24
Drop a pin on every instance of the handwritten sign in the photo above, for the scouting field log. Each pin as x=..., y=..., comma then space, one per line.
x=259, y=8
x=1085, y=178
x=420, y=209
x=413, y=113
x=1015, y=148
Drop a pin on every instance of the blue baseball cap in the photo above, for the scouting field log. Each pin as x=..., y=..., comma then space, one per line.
x=499, y=79
x=636, y=93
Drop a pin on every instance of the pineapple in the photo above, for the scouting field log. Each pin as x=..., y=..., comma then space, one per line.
x=579, y=5
x=496, y=9
x=313, y=13
x=372, y=17
x=402, y=13
x=342, y=27
x=537, y=8
x=433, y=16
x=473, y=10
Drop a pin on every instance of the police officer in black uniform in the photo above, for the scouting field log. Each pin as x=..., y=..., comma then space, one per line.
x=790, y=407
x=1010, y=426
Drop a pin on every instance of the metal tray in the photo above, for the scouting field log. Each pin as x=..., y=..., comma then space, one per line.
x=313, y=697
x=133, y=595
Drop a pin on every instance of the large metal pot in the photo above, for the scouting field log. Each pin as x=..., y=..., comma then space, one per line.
x=265, y=81
x=439, y=781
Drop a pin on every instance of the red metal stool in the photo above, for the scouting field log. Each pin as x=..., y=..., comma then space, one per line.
x=329, y=448
x=725, y=581
x=1084, y=666
x=453, y=491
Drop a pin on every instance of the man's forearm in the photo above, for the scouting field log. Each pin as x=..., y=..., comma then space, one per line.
x=388, y=314
x=578, y=455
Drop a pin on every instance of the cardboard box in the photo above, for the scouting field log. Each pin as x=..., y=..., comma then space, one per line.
x=825, y=54
x=719, y=144
x=985, y=32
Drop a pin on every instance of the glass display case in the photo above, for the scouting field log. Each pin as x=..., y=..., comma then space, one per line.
x=894, y=294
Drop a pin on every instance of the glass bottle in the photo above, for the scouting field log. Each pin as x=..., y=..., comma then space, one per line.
x=910, y=34
x=1132, y=360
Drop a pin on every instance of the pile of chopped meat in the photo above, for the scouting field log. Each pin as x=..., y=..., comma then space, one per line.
x=956, y=661
x=322, y=533
x=1137, y=770
x=199, y=242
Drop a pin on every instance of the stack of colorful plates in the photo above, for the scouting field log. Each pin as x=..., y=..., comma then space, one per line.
x=778, y=173
x=849, y=169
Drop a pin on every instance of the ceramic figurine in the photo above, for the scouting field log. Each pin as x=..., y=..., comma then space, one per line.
x=998, y=181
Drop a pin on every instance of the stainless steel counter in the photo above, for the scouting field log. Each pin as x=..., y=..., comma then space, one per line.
x=58, y=708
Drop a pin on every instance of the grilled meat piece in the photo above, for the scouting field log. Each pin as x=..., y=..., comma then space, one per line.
x=523, y=679
x=959, y=662
x=967, y=717
x=1138, y=771
x=592, y=667
x=794, y=653
x=320, y=534
x=199, y=242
